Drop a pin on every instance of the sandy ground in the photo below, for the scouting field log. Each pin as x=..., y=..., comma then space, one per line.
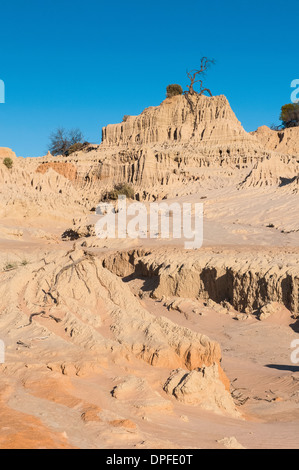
x=56, y=391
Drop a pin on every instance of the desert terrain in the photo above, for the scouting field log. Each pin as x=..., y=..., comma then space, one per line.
x=141, y=343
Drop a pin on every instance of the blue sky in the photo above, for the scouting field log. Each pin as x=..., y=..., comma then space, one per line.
x=87, y=63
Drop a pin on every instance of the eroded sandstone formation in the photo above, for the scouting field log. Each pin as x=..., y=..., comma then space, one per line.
x=244, y=281
x=110, y=340
x=283, y=141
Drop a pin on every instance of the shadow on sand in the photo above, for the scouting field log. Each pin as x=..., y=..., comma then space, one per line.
x=283, y=367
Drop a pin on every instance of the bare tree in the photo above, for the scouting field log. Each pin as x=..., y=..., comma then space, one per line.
x=196, y=75
x=61, y=140
x=75, y=136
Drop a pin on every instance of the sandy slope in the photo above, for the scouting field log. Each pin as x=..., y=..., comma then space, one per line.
x=58, y=369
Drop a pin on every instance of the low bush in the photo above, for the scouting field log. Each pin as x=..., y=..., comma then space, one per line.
x=173, y=90
x=8, y=162
x=124, y=189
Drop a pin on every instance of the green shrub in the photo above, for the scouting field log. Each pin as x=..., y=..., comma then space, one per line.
x=10, y=265
x=290, y=115
x=124, y=189
x=8, y=162
x=74, y=148
x=173, y=90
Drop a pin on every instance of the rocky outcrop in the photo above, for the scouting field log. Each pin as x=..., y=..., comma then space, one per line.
x=243, y=280
x=178, y=139
x=68, y=170
x=138, y=391
x=294, y=186
x=162, y=152
x=34, y=194
x=62, y=291
x=7, y=153
x=202, y=387
x=285, y=141
x=180, y=119
x=273, y=171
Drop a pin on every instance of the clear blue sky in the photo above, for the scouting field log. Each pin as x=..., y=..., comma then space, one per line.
x=87, y=63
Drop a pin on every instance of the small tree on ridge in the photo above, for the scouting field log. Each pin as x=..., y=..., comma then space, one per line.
x=61, y=140
x=173, y=90
x=195, y=76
